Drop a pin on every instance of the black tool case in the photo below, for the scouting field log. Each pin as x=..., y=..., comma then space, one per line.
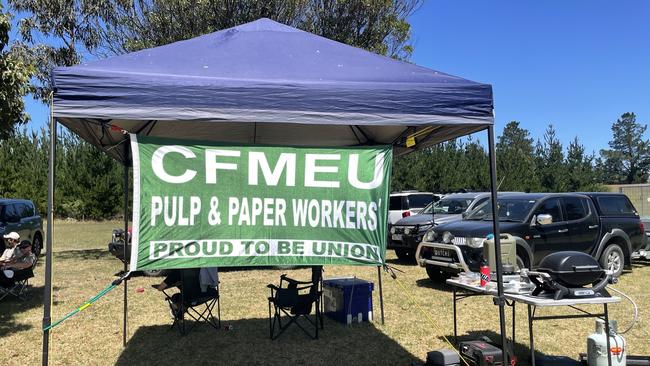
x=443, y=357
x=480, y=353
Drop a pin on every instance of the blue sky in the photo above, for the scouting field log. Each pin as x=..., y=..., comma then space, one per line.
x=577, y=64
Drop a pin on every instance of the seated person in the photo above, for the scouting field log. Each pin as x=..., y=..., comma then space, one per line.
x=10, y=253
x=24, y=261
x=208, y=278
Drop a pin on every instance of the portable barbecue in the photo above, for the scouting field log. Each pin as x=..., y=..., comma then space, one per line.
x=565, y=274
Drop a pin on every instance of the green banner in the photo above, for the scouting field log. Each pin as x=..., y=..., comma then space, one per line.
x=204, y=204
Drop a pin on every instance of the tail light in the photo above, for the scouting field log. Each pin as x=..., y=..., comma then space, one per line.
x=406, y=214
x=642, y=227
x=616, y=351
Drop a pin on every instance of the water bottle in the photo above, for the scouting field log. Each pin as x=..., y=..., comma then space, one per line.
x=485, y=273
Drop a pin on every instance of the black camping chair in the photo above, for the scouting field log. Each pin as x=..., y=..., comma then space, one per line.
x=192, y=301
x=18, y=285
x=295, y=299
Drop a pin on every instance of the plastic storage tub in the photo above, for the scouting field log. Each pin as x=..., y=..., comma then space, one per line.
x=348, y=299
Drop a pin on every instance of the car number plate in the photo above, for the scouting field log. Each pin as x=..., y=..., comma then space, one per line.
x=442, y=252
x=397, y=236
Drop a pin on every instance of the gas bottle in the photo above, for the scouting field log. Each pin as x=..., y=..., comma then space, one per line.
x=597, y=345
x=485, y=273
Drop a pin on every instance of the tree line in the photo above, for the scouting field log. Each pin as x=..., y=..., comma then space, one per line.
x=89, y=184
x=526, y=165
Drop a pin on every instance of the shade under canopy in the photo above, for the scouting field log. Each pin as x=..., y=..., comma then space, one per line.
x=267, y=83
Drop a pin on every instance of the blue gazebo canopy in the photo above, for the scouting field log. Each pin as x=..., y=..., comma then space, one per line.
x=265, y=82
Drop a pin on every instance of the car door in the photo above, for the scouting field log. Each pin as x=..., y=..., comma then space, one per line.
x=552, y=237
x=11, y=218
x=394, y=209
x=31, y=220
x=23, y=225
x=582, y=222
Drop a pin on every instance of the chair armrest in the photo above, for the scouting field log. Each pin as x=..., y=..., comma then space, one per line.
x=291, y=280
x=272, y=286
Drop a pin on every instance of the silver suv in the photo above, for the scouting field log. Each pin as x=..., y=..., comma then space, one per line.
x=407, y=233
x=22, y=217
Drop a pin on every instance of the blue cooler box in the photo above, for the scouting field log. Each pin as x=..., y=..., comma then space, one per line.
x=348, y=299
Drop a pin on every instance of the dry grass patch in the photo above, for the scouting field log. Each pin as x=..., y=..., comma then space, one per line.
x=83, y=267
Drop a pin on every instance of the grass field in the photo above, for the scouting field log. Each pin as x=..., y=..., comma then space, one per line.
x=83, y=267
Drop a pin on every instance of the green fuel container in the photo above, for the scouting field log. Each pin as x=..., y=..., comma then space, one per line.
x=508, y=251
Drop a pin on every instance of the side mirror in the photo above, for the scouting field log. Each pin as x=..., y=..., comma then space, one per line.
x=464, y=214
x=544, y=219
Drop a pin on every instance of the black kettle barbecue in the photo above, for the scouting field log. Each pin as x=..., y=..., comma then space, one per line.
x=564, y=274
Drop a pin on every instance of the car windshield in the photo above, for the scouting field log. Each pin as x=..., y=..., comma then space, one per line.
x=510, y=209
x=448, y=206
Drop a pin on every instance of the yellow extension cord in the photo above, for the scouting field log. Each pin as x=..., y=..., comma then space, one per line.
x=427, y=316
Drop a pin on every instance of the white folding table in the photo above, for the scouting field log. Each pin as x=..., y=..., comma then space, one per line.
x=533, y=302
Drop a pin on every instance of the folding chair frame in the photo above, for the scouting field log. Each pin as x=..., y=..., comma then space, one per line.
x=19, y=290
x=275, y=317
x=204, y=316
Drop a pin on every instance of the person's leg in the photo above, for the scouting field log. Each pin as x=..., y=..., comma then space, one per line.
x=173, y=277
x=4, y=281
x=176, y=304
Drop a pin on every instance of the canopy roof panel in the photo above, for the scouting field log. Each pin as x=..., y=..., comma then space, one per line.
x=225, y=85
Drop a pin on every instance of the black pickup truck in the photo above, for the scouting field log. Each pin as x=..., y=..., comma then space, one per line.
x=604, y=225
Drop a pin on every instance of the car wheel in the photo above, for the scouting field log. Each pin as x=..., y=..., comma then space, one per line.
x=522, y=261
x=405, y=255
x=435, y=274
x=154, y=272
x=37, y=245
x=613, y=259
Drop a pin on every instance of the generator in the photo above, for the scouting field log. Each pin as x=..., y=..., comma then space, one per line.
x=481, y=353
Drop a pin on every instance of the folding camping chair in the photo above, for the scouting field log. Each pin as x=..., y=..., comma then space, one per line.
x=295, y=299
x=192, y=301
x=19, y=286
